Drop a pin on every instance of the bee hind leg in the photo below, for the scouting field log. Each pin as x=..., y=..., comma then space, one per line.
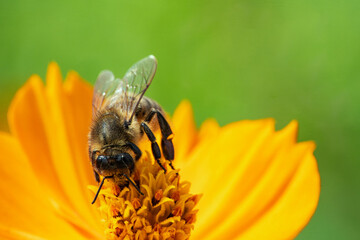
x=166, y=133
x=154, y=145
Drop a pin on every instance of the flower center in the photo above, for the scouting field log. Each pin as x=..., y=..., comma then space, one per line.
x=165, y=211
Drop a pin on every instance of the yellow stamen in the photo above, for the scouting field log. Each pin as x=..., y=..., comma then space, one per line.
x=166, y=210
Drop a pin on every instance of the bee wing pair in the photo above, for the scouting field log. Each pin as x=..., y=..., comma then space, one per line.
x=130, y=89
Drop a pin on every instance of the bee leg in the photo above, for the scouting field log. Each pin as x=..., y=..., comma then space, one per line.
x=166, y=133
x=135, y=149
x=97, y=177
x=132, y=183
x=154, y=146
x=98, y=191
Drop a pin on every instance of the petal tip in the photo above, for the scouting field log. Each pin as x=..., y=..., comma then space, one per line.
x=53, y=67
x=311, y=145
x=74, y=82
x=291, y=131
x=183, y=110
x=53, y=74
x=185, y=105
x=294, y=124
x=73, y=74
x=71, y=78
x=33, y=84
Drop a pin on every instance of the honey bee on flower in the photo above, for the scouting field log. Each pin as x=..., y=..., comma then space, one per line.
x=121, y=116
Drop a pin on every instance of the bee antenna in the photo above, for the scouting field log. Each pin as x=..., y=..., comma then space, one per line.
x=98, y=191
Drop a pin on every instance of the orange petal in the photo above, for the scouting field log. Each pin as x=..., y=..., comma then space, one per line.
x=25, y=211
x=208, y=129
x=15, y=234
x=184, y=130
x=212, y=164
x=27, y=121
x=294, y=208
x=210, y=161
x=253, y=166
x=76, y=119
x=63, y=159
x=78, y=110
x=38, y=118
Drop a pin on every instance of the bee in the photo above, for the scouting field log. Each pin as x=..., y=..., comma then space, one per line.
x=122, y=117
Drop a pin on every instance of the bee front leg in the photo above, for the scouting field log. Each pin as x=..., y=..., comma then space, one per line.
x=154, y=146
x=132, y=183
x=135, y=149
x=166, y=133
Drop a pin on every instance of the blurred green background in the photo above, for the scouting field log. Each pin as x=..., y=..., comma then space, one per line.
x=234, y=60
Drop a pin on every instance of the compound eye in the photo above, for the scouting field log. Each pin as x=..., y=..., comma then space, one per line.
x=125, y=160
x=129, y=161
x=101, y=161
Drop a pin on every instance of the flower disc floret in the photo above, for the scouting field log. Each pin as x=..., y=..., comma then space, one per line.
x=165, y=211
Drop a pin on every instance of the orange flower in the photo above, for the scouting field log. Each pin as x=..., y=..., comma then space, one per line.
x=257, y=183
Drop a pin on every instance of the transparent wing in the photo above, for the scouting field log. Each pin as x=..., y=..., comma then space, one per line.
x=105, y=86
x=126, y=92
x=135, y=83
